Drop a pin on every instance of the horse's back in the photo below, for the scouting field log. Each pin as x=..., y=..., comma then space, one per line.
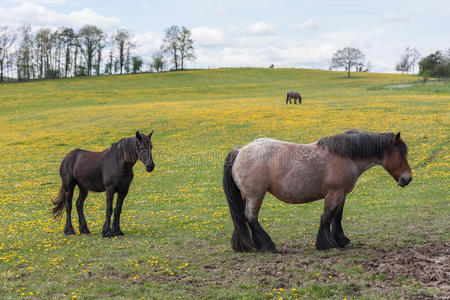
x=292, y=172
x=84, y=168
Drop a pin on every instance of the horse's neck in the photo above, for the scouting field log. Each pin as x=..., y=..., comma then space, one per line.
x=367, y=163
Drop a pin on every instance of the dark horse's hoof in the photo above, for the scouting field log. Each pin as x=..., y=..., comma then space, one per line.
x=84, y=231
x=324, y=242
x=117, y=233
x=69, y=231
x=343, y=241
x=107, y=234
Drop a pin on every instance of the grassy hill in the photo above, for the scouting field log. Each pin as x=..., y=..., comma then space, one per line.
x=176, y=221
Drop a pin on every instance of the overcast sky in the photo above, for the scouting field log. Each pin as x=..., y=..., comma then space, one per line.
x=291, y=33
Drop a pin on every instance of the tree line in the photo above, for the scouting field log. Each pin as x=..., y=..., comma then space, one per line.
x=64, y=52
x=434, y=65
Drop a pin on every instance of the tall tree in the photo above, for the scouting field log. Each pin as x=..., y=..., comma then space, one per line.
x=348, y=57
x=90, y=38
x=123, y=41
x=171, y=44
x=68, y=40
x=24, y=55
x=7, y=39
x=185, y=46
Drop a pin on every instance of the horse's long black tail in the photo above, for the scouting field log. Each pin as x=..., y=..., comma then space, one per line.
x=58, y=209
x=240, y=240
x=65, y=171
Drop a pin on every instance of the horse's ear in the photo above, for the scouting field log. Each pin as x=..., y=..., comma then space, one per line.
x=397, y=138
x=138, y=136
x=150, y=135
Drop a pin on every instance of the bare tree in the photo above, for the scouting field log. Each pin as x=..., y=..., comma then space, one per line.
x=414, y=56
x=24, y=55
x=404, y=64
x=348, y=58
x=7, y=39
x=408, y=60
x=171, y=44
x=123, y=41
x=185, y=46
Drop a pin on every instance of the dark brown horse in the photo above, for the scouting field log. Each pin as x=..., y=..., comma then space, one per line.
x=302, y=173
x=295, y=96
x=110, y=170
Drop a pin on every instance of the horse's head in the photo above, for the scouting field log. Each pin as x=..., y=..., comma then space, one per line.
x=395, y=162
x=145, y=147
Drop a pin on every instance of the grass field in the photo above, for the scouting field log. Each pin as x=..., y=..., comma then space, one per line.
x=176, y=221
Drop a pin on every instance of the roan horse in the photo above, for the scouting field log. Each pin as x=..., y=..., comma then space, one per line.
x=302, y=173
x=295, y=96
x=110, y=170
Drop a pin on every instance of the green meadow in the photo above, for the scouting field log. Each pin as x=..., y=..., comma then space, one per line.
x=176, y=220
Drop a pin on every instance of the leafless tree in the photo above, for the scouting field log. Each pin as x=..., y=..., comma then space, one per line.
x=348, y=57
x=170, y=45
x=408, y=60
x=123, y=40
x=7, y=39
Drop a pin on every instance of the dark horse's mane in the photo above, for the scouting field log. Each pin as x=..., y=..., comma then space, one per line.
x=126, y=150
x=356, y=144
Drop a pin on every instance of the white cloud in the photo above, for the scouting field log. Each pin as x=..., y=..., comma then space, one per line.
x=308, y=24
x=208, y=37
x=260, y=28
x=37, y=15
x=397, y=18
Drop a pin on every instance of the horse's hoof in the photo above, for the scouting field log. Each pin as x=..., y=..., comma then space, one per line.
x=117, y=233
x=107, y=234
x=84, y=231
x=343, y=241
x=69, y=231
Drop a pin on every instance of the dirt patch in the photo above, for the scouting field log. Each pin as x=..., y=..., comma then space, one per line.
x=429, y=264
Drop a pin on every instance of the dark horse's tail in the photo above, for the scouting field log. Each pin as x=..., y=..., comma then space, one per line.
x=58, y=209
x=240, y=240
x=65, y=171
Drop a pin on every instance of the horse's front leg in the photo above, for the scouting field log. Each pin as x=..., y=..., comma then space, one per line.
x=117, y=211
x=336, y=227
x=109, y=202
x=325, y=240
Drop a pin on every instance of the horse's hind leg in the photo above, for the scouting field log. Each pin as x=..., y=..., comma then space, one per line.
x=260, y=238
x=117, y=211
x=326, y=240
x=80, y=202
x=68, y=229
x=336, y=227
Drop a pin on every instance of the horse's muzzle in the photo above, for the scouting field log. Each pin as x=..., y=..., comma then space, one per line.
x=150, y=167
x=404, y=180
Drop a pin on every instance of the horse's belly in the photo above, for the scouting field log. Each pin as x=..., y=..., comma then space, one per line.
x=297, y=198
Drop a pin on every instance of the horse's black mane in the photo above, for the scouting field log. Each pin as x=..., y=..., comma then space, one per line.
x=126, y=150
x=356, y=144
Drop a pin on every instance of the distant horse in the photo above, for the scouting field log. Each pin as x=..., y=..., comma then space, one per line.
x=295, y=96
x=110, y=170
x=302, y=173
